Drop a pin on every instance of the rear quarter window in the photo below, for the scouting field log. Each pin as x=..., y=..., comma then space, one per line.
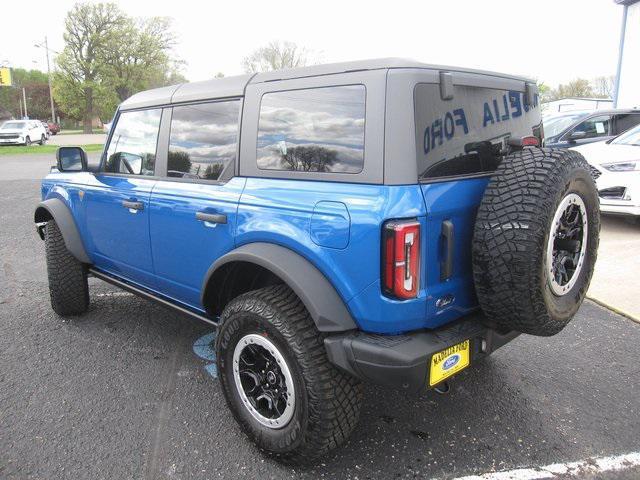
x=626, y=121
x=465, y=135
x=313, y=130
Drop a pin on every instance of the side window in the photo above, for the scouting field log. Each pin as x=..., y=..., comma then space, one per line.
x=626, y=121
x=203, y=140
x=313, y=130
x=599, y=126
x=132, y=149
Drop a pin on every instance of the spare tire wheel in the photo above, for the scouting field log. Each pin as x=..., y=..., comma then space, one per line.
x=536, y=240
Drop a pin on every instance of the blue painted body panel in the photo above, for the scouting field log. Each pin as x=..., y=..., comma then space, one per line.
x=116, y=237
x=183, y=247
x=336, y=226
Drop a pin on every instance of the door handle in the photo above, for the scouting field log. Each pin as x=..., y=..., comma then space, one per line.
x=211, y=217
x=446, y=264
x=131, y=205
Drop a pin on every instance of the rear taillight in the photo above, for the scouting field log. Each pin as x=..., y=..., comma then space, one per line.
x=531, y=141
x=401, y=258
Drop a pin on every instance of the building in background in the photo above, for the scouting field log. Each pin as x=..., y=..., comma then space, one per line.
x=627, y=92
x=574, y=103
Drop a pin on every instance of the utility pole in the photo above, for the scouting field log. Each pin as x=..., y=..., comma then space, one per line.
x=46, y=47
x=24, y=98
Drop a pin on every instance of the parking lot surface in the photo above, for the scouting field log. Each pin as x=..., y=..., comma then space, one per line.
x=127, y=391
x=615, y=281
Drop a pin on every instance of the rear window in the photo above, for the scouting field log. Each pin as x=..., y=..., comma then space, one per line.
x=313, y=130
x=467, y=134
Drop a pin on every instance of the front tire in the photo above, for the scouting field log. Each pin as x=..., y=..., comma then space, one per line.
x=68, y=287
x=27, y=142
x=277, y=380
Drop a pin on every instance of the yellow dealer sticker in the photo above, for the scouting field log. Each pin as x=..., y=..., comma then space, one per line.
x=448, y=362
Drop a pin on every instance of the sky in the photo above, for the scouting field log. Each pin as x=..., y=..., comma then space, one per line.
x=554, y=41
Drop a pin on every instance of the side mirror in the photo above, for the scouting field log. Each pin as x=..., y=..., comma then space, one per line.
x=577, y=135
x=71, y=159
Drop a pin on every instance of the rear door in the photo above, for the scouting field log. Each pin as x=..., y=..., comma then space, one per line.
x=459, y=142
x=193, y=206
x=116, y=201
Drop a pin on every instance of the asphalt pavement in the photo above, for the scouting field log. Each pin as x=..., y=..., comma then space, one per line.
x=128, y=391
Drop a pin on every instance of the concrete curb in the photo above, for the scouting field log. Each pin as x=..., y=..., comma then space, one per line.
x=614, y=309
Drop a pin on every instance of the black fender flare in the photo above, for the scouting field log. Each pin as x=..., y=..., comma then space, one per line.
x=326, y=307
x=56, y=209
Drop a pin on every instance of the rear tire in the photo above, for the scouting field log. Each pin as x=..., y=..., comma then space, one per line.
x=536, y=240
x=68, y=286
x=272, y=323
x=43, y=140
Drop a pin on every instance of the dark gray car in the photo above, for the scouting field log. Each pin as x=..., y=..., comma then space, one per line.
x=580, y=127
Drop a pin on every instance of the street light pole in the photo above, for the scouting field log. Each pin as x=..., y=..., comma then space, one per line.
x=53, y=112
x=46, y=47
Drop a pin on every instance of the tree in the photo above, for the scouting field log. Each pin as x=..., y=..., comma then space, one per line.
x=109, y=56
x=308, y=158
x=604, y=86
x=137, y=56
x=37, y=92
x=579, y=87
x=213, y=171
x=179, y=161
x=545, y=92
x=275, y=56
x=78, y=83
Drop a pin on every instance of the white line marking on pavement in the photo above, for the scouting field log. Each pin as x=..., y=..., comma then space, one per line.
x=591, y=466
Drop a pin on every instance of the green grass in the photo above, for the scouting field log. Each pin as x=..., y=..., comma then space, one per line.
x=79, y=132
x=19, y=149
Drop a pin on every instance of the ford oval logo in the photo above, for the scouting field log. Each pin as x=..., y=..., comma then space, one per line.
x=451, y=362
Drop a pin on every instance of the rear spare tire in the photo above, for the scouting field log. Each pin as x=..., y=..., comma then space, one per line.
x=535, y=240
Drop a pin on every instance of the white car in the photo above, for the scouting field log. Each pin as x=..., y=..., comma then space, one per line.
x=22, y=132
x=616, y=166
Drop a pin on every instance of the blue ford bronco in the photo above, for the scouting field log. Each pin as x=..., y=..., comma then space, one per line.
x=378, y=221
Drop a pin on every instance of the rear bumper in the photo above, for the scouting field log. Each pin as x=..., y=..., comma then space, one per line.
x=403, y=361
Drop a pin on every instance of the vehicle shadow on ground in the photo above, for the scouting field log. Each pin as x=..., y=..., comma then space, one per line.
x=506, y=411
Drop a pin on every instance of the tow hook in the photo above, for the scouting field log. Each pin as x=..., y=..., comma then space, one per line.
x=442, y=388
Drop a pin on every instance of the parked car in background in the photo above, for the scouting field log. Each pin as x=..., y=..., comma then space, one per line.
x=54, y=128
x=106, y=127
x=578, y=128
x=22, y=132
x=616, y=166
x=46, y=127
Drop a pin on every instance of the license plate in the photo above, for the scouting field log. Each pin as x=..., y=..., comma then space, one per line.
x=449, y=362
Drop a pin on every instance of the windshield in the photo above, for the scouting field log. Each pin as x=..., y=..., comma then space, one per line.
x=14, y=125
x=630, y=137
x=555, y=125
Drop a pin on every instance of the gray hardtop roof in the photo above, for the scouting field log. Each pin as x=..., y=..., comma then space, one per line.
x=235, y=86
